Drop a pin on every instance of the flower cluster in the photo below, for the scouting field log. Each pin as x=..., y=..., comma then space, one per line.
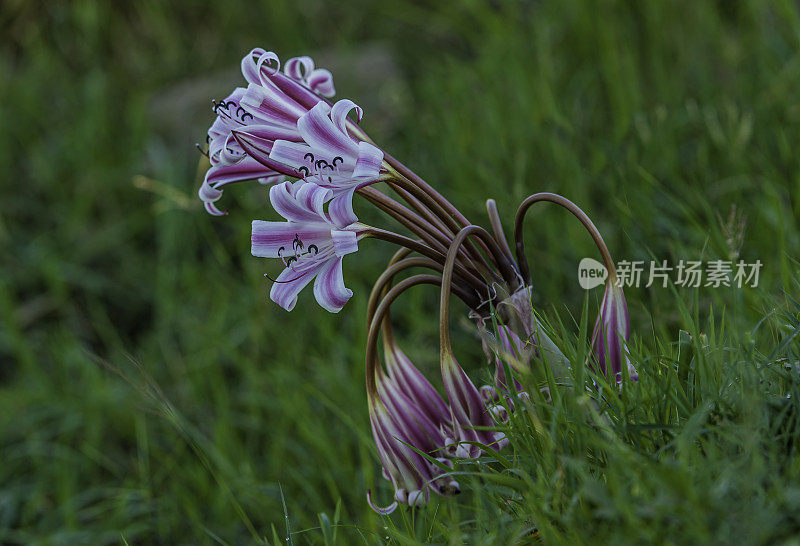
x=282, y=125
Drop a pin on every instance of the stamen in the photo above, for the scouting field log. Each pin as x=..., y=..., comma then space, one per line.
x=202, y=151
x=281, y=282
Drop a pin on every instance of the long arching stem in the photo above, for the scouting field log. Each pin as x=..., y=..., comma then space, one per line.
x=497, y=228
x=415, y=223
x=425, y=250
x=384, y=282
x=471, y=251
x=427, y=188
x=380, y=313
x=447, y=279
x=522, y=260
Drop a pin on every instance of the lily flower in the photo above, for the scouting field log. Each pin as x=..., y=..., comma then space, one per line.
x=612, y=330
x=273, y=102
x=471, y=419
x=325, y=152
x=514, y=353
x=399, y=429
x=413, y=384
x=310, y=243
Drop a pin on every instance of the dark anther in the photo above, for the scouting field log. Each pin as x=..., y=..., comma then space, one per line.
x=314, y=248
x=304, y=171
x=339, y=158
x=321, y=164
x=244, y=116
x=240, y=111
x=309, y=156
x=202, y=151
x=290, y=260
x=297, y=243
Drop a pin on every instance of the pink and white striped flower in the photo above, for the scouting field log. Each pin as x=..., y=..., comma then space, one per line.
x=290, y=94
x=472, y=420
x=284, y=110
x=612, y=330
x=326, y=154
x=407, y=417
x=311, y=244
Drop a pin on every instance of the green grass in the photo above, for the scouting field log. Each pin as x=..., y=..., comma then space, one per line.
x=657, y=118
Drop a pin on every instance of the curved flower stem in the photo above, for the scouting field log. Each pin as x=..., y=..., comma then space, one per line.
x=447, y=278
x=427, y=188
x=380, y=313
x=497, y=231
x=444, y=299
x=417, y=246
x=470, y=251
x=383, y=283
x=428, y=196
x=416, y=224
x=522, y=260
x=432, y=205
x=426, y=199
x=422, y=210
x=403, y=214
x=507, y=267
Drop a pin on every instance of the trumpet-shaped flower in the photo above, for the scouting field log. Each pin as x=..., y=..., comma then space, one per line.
x=612, y=331
x=514, y=354
x=310, y=243
x=272, y=102
x=408, y=418
x=402, y=432
x=414, y=385
x=325, y=153
x=471, y=419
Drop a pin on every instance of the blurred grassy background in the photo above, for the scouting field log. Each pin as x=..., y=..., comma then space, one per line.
x=657, y=118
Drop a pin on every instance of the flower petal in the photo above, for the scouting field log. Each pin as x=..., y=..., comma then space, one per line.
x=415, y=385
x=322, y=135
x=289, y=284
x=293, y=154
x=271, y=105
x=368, y=164
x=384, y=511
x=329, y=288
x=246, y=169
x=340, y=110
x=276, y=239
x=344, y=242
x=341, y=210
x=321, y=81
x=253, y=64
x=467, y=406
x=294, y=90
x=260, y=149
x=299, y=68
